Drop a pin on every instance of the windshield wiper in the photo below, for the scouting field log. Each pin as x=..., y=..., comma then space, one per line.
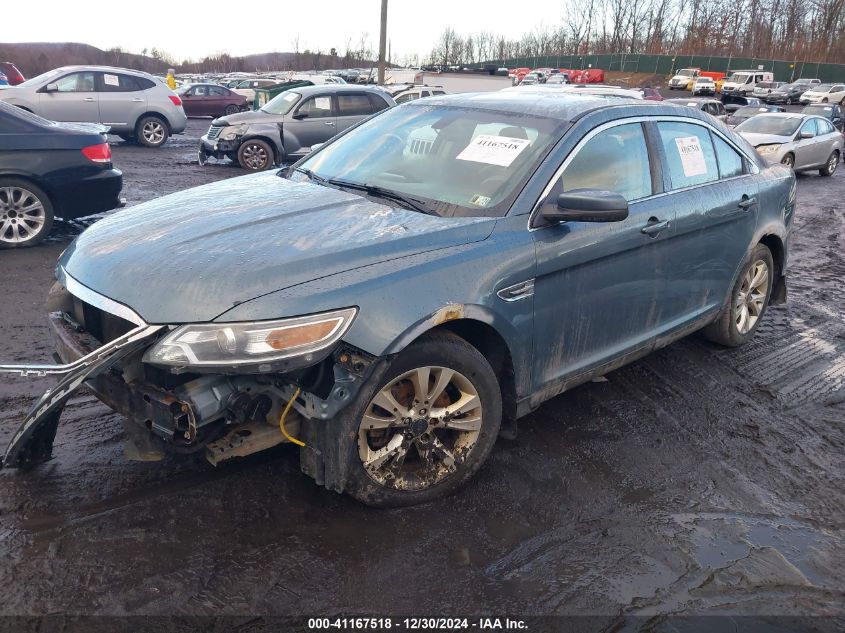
x=311, y=175
x=382, y=192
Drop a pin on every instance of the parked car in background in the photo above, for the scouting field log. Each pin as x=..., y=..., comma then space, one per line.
x=833, y=112
x=734, y=102
x=599, y=90
x=801, y=141
x=651, y=94
x=684, y=79
x=825, y=93
x=531, y=79
x=743, y=82
x=394, y=312
x=713, y=107
x=746, y=112
x=765, y=88
x=210, y=100
x=133, y=104
x=13, y=75
x=246, y=88
x=418, y=92
x=3, y=80
x=808, y=81
x=703, y=86
x=49, y=170
x=558, y=78
x=288, y=126
x=786, y=94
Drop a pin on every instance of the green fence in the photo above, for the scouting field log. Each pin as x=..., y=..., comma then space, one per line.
x=665, y=64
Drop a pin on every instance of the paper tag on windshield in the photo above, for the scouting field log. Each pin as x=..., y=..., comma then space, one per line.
x=110, y=80
x=479, y=200
x=692, y=157
x=493, y=150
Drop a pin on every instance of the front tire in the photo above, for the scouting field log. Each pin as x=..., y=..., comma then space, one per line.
x=255, y=155
x=788, y=160
x=151, y=131
x=747, y=304
x=831, y=164
x=425, y=425
x=26, y=213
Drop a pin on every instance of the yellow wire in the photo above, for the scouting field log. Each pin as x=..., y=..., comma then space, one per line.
x=282, y=428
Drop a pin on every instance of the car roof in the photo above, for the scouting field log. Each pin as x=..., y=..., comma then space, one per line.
x=693, y=100
x=307, y=90
x=556, y=104
x=113, y=69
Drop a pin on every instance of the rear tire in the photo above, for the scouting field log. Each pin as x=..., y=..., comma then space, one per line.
x=26, y=213
x=831, y=165
x=255, y=155
x=231, y=109
x=747, y=303
x=437, y=459
x=151, y=131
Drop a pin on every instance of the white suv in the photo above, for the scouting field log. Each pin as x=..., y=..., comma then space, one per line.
x=133, y=104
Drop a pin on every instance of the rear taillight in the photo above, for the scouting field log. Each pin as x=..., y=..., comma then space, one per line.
x=98, y=153
x=176, y=100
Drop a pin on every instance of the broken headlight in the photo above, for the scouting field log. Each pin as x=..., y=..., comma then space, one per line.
x=258, y=345
x=232, y=132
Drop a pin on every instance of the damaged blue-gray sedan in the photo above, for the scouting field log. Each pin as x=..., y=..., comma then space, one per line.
x=400, y=297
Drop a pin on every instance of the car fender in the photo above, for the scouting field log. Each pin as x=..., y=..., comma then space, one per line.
x=267, y=132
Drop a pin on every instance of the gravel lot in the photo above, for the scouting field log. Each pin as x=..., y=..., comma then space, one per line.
x=698, y=480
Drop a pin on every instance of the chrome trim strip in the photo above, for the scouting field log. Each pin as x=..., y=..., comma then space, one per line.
x=518, y=291
x=637, y=119
x=96, y=299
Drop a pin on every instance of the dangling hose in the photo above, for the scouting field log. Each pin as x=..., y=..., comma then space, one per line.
x=282, y=428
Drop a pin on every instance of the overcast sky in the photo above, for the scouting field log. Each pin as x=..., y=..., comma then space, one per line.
x=189, y=29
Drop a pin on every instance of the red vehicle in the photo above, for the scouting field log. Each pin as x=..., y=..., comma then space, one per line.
x=210, y=100
x=13, y=75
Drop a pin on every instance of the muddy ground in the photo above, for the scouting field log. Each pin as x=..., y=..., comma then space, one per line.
x=698, y=480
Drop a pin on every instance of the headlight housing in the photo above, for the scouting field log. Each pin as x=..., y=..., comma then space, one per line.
x=767, y=149
x=251, y=347
x=231, y=132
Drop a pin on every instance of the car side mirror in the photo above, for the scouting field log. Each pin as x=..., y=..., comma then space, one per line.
x=51, y=88
x=300, y=115
x=807, y=135
x=587, y=205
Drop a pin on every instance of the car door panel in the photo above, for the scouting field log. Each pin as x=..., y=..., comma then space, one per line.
x=120, y=103
x=597, y=285
x=318, y=127
x=75, y=101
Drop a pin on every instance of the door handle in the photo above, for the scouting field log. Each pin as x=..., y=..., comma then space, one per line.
x=655, y=227
x=746, y=202
x=136, y=99
x=89, y=98
x=329, y=123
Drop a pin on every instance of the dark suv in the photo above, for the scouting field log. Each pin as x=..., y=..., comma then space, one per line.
x=288, y=126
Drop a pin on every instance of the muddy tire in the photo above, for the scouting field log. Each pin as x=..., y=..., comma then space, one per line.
x=831, y=164
x=26, y=213
x=151, y=131
x=255, y=155
x=446, y=410
x=747, y=304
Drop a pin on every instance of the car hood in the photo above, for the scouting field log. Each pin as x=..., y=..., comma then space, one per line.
x=192, y=255
x=764, y=139
x=252, y=116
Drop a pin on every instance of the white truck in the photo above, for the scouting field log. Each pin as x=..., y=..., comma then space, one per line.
x=743, y=82
x=683, y=79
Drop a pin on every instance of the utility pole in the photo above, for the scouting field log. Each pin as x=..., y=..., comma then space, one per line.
x=382, y=42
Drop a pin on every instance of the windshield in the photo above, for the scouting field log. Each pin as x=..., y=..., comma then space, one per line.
x=453, y=161
x=777, y=125
x=738, y=77
x=35, y=81
x=686, y=73
x=821, y=110
x=748, y=111
x=281, y=104
x=823, y=88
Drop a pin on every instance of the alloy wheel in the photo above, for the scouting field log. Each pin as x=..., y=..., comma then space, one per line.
x=254, y=156
x=832, y=162
x=153, y=132
x=751, y=299
x=419, y=428
x=22, y=215
x=788, y=160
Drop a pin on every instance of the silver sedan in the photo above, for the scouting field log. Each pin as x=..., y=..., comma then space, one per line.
x=801, y=141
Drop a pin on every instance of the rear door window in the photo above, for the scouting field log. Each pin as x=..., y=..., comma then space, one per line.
x=353, y=105
x=622, y=153
x=688, y=150
x=378, y=104
x=730, y=161
x=116, y=82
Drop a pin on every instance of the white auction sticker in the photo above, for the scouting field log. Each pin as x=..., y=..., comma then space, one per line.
x=692, y=157
x=110, y=80
x=493, y=150
x=323, y=103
